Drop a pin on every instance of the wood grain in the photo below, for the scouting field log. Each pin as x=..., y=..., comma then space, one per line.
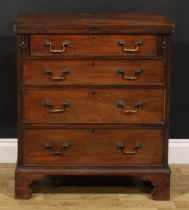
x=94, y=45
x=92, y=146
x=93, y=72
x=87, y=107
x=93, y=105
x=94, y=23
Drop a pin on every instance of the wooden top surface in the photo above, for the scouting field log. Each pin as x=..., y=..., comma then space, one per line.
x=94, y=22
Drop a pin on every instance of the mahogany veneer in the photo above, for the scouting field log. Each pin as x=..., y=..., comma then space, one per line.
x=92, y=105
x=92, y=146
x=93, y=72
x=93, y=44
x=93, y=97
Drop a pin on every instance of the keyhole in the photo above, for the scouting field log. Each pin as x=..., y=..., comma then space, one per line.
x=93, y=93
x=93, y=66
x=93, y=37
x=93, y=131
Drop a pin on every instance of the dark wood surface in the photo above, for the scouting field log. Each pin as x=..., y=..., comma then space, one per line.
x=94, y=23
x=93, y=72
x=159, y=177
x=93, y=45
x=93, y=123
x=92, y=147
x=93, y=105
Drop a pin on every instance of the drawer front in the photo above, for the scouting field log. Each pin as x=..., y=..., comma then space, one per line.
x=121, y=45
x=93, y=72
x=96, y=105
x=92, y=146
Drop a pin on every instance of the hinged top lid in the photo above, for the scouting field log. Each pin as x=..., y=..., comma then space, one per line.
x=94, y=23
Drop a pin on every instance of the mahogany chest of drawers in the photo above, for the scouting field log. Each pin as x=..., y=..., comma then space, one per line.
x=93, y=97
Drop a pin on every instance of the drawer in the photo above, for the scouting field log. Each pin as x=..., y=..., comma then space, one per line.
x=117, y=45
x=95, y=105
x=92, y=146
x=93, y=72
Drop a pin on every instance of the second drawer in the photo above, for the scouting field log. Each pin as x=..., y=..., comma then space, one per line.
x=93, y=72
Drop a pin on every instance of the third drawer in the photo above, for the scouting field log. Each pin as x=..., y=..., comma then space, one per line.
x=93, y=105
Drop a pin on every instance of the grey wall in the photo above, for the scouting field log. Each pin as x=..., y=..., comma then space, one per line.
x=177, y=10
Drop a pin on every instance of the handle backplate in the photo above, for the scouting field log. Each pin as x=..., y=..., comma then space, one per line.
x=137, y=74
x=122, y=147
x=60, y=151
x=125, y=48
x=65, y=44
x=138, y=106
x=49, y=72
x=50, y=106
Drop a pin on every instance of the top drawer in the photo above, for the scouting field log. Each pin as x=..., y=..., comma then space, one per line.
x=94, y=45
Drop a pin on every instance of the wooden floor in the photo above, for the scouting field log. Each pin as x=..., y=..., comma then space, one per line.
x=56, y=196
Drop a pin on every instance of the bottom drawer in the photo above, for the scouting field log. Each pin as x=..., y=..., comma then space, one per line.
x=92, y=146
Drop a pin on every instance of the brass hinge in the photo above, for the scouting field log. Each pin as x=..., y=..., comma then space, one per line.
x=164, y=44
x=23, y=45
x=174, y=29
x=14, y=28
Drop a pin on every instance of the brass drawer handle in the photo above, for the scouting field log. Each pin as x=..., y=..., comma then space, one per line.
x=121, y=147
x=138, y=73
x=49, y=72
x=121, y=104
x=126, y=49
x=50, y=106
x=62, y=149
x=64, y=45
